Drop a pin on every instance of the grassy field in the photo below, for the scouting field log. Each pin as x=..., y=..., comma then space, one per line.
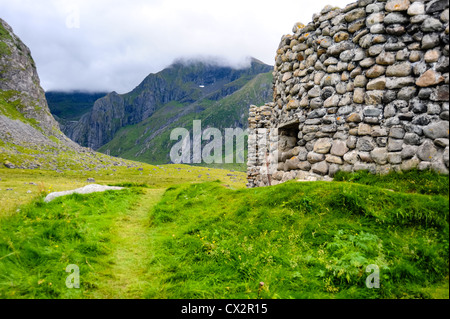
x=175, y=234
x=20, y=186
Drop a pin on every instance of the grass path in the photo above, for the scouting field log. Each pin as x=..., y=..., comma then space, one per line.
x=127, y=277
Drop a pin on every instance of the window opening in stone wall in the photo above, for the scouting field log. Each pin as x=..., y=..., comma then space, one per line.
x=287, y=142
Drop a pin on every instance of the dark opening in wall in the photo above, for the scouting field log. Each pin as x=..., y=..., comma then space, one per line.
x=287, y=140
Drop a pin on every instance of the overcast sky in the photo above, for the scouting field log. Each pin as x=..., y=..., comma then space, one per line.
x=111, y=45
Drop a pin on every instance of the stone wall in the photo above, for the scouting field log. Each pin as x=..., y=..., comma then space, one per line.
x=365, y=87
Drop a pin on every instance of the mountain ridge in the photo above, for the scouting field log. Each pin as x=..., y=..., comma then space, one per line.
x=149, y=141
x=186, y=87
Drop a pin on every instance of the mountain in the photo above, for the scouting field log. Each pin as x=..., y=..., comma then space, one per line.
x=29, y=135
x=137, y=125
x=149, y=141
x=24, y=113
x=71, y=106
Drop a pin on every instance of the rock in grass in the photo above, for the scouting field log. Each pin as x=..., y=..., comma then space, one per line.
x=8, y=164
x=92, y=188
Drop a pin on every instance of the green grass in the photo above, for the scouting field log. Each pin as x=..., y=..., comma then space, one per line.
x=37, y=244
x=413, y=181
x=4, y=35
x=4, y=49
x=106, y=235
x=172, y=237
x=127, y=276
x=122, y=175
x=303, y=240
x=10, y=104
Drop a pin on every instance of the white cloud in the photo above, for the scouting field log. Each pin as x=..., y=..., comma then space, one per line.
x=112, y=45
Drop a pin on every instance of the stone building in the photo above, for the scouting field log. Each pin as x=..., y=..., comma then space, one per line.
x=365, y=87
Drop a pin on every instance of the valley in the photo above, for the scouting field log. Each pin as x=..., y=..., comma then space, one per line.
x=137, y=125
x=204, y=231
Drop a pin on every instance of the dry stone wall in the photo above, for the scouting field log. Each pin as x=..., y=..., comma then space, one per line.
x=365, y=87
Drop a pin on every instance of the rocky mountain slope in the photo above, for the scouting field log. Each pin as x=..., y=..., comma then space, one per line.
x=29, y=135
x=186, y=89
x=24, y=113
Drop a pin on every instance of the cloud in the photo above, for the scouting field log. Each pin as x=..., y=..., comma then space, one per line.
x=112, y=45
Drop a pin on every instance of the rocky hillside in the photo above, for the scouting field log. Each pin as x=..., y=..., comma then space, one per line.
x=24, y=113
x=180, y=89
x=29, y=135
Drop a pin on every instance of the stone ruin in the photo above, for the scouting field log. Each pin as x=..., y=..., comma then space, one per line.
x=365, y=87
